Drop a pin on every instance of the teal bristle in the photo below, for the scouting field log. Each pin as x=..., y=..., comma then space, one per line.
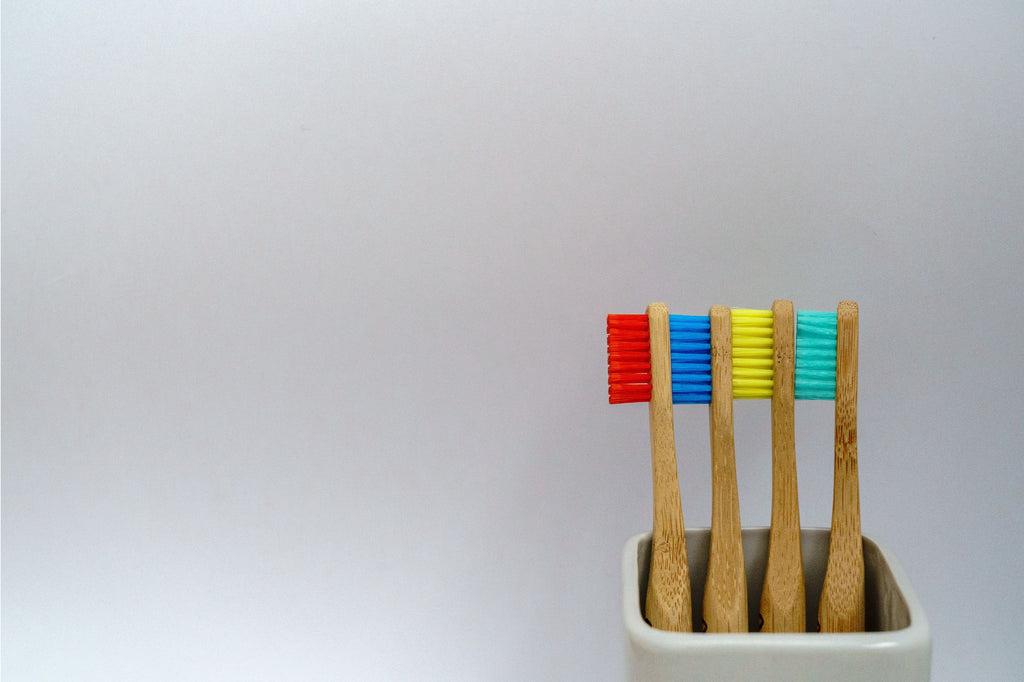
x=815, y=355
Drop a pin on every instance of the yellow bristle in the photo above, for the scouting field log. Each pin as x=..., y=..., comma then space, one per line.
x=753, y=354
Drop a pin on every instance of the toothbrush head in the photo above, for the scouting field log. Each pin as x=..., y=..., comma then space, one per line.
x=753, y=353
x=690, y=339
x=815, y=374
x=629, y=359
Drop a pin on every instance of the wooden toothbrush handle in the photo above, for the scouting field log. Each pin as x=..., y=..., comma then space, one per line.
x=725, y=591
x=668, y=584
x=783, y=604
x=842, y=596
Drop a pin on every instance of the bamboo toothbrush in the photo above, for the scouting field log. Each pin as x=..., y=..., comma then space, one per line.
x=640, y=367
x=725, y=591
x=783, y=603
x=842, y=596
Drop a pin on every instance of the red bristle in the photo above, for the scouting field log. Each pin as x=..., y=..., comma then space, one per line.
x=630, y=335
x=629, y=394
x=618, y=346
x=626, y=366
x=630, y=356
x=623, y=378
x=616, y=322
x=629, y=359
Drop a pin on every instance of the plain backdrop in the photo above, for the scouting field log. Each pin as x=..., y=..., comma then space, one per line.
x=304, y=312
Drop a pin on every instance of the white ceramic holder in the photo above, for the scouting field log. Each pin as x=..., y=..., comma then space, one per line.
x=895, y=646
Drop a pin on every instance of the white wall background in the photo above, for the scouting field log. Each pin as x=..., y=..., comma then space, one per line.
x=303, y=317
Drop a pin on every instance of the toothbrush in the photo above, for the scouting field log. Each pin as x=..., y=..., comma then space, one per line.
x=783, y=604
x=842, y=595
x=639, y=369
x=725, y=591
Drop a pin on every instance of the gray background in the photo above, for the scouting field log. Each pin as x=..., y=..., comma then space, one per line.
x=303, y=317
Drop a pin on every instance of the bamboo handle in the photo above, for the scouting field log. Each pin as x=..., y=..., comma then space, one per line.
x=842, y=596
x=725, y=592
x=668, y=585
x=783, y=604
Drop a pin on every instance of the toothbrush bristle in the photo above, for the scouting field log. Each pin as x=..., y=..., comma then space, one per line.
x=815, y=371
x=629, y=359
x=753, y=353
x=690, y=337
x=753, y=356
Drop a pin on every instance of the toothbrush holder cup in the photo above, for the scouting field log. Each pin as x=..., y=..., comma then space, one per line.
x=895, y=646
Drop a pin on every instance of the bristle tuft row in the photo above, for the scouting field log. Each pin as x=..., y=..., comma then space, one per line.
x=629, y=359
x=690, y=339
x=815, y=372
x=753, y=353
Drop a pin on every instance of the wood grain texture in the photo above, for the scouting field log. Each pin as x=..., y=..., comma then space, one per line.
x=842, y=596
x=783, y=603
x=725, y=592
x=668, y=587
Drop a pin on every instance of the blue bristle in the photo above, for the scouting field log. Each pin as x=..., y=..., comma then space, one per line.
x=690, y=340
